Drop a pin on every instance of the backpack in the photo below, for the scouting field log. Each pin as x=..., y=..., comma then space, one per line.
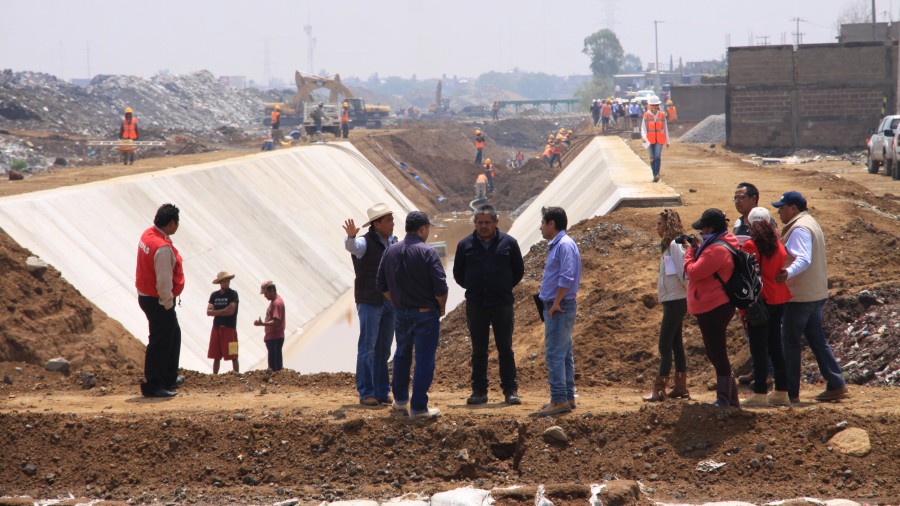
x=745, y=284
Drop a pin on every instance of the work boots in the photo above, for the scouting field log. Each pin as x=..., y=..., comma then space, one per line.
x=734, y=400
x=658, y=393
x=725, y=388
x=680, y=391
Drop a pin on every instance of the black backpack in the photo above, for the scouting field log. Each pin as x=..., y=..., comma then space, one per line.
x=745, y=283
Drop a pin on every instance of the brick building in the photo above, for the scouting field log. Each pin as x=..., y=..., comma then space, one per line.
x=810, y=96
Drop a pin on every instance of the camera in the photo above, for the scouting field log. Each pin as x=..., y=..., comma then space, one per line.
x=685, y=238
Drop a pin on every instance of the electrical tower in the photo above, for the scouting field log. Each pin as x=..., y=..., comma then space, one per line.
x=310, y=47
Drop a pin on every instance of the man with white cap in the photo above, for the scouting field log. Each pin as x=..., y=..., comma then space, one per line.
x=806, y=274
x=376, y=314
x=223, y=307
x=655, y=133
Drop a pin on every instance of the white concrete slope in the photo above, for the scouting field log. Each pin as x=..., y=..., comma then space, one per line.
x=605, y=175
x=273, y=215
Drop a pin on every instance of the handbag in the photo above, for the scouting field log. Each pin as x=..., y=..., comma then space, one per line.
x=757, y=314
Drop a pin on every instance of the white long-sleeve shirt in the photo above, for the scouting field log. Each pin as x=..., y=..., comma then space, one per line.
x=799, y=246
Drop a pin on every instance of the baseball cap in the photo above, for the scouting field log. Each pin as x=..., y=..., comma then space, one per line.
x=264, y=286
x=711, y=218
x=759, y=214
x=790, y=198
x=416, y=219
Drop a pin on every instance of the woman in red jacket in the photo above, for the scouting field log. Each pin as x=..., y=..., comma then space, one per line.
x=707, y=300
x=765, y=340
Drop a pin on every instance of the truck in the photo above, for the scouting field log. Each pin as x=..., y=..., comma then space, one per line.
x=881, y=146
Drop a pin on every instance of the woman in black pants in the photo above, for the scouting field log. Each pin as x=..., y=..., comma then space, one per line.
x=765, y=340
x=671, y=293
x=707, y=300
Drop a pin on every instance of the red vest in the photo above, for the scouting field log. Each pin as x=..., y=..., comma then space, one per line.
x=129, y=129
x=656, y=127
x=345, y=116
x=145, y=279
x=479, y=142
x=276, y=117
x=606, y=110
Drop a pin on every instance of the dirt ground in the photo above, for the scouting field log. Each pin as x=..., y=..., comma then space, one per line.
x=261, y=438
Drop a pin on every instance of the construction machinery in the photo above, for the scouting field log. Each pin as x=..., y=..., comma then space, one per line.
x=441, y=105
x=294, y=113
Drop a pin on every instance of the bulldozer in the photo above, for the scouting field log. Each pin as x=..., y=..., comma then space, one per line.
x=293, y=112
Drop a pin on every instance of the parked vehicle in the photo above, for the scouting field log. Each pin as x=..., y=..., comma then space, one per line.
x=881, y=146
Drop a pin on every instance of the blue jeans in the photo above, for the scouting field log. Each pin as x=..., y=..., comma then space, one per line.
x=805, y=319
x=558, y=351
x=655, y=151
x=417, y=332
x=376, y=332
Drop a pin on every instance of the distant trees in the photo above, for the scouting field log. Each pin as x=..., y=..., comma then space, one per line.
x=856, y=11
x=605, y=52
x=632, y=64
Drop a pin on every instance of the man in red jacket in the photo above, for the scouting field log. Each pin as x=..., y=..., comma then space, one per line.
x=159, y=279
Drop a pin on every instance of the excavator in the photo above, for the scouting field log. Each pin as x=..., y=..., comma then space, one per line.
x=293, y=112
x=441, y=106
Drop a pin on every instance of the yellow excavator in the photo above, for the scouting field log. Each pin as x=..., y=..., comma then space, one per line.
x=292, y=112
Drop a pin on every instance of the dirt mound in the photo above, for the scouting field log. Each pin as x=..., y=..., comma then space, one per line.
x=44, y=317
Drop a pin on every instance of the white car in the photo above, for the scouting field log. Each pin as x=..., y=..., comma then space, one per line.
x=881, y=146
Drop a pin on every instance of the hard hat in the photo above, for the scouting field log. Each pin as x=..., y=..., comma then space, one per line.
x=608, y=100
x=321, y=104
x=562, y=129
x=128, y=110
x=277, y=107
x=477, y=131
x=571, y=132
x=487, y=161
x=346, y=104
x=654, y=100
x=668, y=102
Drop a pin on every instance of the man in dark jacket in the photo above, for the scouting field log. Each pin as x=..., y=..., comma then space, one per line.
x=488, y=265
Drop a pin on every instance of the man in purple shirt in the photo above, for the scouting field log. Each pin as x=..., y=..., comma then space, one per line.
x=559, y=286
x=412, y=278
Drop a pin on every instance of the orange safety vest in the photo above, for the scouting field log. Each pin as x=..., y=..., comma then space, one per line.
x=548, y=151
x=276, y=115
x=479, y=142
x=672, y=113
x=606, y=110
x=145, y=278
x=345, y=116
x=557, y=150
x=481, y=178
x=129, y=129
x=656, y=127
x=489, y=168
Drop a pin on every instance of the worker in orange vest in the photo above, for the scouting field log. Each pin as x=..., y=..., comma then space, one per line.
x=481, y=186
x=276, y=117
x=520, y=159
x=605, y=114
x=556, y=153
x=479, y=146
x=489, y=174
x=495, y=110
x=671, y=112
x=548, y=151
x=655, y=133
x=128, y=131
x=345, y=120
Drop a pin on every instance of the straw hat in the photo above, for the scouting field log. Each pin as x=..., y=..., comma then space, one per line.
x=223, y=276
x=377, y=211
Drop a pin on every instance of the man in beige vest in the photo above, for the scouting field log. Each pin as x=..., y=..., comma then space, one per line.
x=806, y=273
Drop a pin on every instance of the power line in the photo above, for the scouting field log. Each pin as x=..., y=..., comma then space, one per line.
x=798, y=34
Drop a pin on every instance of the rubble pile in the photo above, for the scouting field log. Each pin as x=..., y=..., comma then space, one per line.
x=710, y=130
x=195, y=103
x=864, y=331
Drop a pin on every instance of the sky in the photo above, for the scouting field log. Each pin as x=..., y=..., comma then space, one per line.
x=265, y=39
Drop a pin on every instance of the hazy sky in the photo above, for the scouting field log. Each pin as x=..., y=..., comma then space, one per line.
x=392, y=37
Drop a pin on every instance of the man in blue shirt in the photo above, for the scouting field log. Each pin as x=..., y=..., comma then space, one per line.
x=376, y=315
x=488, y=265
x=559, y=286
x=412, y=278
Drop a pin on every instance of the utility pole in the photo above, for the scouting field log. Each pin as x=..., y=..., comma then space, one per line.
x=897, y=93
x=656, y=43
x=765, y=40
x=797, y=33
x=310, y=47
x=873, y=20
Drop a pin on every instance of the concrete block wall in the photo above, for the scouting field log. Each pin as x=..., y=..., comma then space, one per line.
x=836, y=92
x=696, y=102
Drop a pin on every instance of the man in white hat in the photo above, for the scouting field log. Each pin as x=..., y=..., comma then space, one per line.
x=655, y=133
x=223, y=307
x=376, y=314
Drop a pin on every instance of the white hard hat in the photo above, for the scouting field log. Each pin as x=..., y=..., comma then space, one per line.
x=654, y=100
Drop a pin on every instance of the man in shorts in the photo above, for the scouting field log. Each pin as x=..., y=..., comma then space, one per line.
x=223, y=307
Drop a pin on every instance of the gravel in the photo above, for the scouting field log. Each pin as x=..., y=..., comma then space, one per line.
x=710, y=130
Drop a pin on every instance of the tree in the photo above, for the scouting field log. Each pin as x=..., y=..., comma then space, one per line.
x=856, y=11
x=598, y=87
x=605, y=52
x=632, y=64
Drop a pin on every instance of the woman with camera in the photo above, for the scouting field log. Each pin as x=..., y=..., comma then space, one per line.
x=765, y=339
x=706, y=298
x=672, y=295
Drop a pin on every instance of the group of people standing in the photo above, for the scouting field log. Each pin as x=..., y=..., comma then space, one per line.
x=792, y=266
x=401, y=292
